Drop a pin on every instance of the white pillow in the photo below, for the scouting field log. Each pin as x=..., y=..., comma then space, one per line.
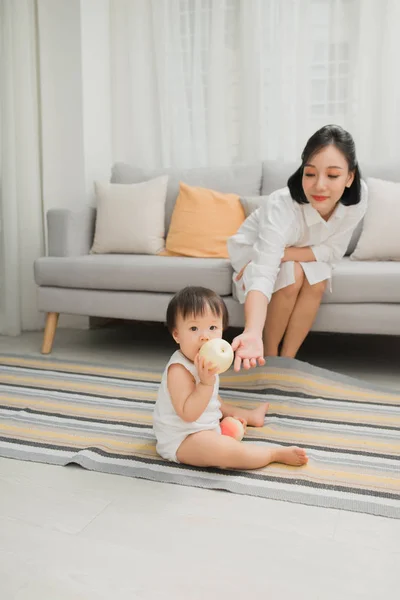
x=130, y=217
x=380, y=236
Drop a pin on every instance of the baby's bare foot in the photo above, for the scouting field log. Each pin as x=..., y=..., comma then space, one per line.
x=257, y=416
x=290, y=456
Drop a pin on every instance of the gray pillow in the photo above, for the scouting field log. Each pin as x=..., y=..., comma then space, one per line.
x=251, y=203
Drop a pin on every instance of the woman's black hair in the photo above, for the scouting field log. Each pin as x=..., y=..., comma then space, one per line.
x=329, y=135
x=193, y=300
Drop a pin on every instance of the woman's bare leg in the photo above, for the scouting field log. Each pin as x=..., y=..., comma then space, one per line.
x=211, y=449
x=279, y=311
x=303, y=316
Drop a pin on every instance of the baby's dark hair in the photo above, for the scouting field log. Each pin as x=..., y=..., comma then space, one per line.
x=193, y=300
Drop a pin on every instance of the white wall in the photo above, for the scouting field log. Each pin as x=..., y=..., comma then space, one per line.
x=75, y=103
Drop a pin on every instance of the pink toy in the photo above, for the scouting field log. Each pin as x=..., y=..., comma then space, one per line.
x=233, y=427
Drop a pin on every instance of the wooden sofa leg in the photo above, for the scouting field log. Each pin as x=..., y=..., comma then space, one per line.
x=49, y=332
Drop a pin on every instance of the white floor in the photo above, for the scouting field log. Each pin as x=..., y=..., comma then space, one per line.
x=70, y=534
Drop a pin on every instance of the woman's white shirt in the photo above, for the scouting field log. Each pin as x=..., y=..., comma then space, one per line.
x=280, y=223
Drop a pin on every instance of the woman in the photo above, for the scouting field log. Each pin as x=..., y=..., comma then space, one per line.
x=284, y=253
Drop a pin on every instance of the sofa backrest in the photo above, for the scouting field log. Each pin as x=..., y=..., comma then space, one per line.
x=244, y=180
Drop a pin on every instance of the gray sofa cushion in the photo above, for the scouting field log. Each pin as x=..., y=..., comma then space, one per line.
x=136, y=272
x=364, y=282
x=244, y=180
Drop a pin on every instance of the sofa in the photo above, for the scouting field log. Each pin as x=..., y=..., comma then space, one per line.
x=70, y=280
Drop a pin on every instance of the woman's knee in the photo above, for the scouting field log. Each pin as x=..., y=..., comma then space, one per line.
x=318, y=289
x=294, y=288
x=298, y=273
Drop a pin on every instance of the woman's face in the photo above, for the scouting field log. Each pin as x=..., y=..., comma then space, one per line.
x=325, y=176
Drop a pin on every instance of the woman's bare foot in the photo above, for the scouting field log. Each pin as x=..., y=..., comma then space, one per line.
x=256, y=417
x=290, y=456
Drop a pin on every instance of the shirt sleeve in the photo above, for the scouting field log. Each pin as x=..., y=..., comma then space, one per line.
x=334, y=248
x=276, y=221
x=240, y=245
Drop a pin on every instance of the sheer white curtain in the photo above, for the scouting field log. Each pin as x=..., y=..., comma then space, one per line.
x=198, y=82
x=21, y=233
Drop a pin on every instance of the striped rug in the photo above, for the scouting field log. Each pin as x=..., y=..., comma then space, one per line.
x=99, y=416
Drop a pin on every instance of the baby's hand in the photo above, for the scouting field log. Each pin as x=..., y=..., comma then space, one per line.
x=205, y=370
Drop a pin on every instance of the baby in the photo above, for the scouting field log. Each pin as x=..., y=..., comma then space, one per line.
x=188, y=409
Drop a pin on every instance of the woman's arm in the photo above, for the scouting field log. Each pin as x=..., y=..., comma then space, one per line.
x=240, y=245
x=299, y=254
x=276, y=219
x=248, y=346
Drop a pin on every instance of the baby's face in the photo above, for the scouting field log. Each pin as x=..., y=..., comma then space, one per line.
x=194, y=331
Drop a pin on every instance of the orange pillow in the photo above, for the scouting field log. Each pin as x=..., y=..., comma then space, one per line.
x=202, y=221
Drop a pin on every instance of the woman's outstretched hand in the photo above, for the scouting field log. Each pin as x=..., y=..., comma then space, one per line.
x=249, y=351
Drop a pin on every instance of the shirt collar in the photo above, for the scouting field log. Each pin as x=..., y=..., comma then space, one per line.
x=313, y=217
x=340, y=211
